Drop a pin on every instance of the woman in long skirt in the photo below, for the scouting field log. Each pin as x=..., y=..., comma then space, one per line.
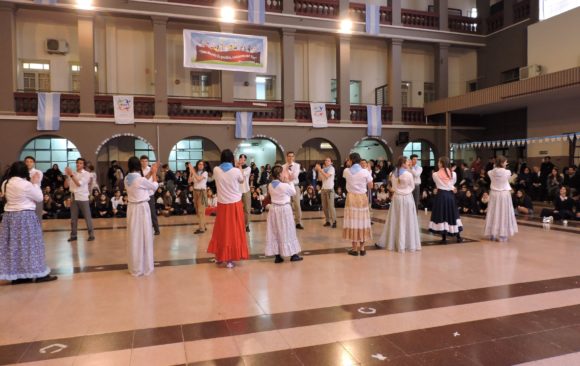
x=401, y=231
x=139, y=226
x=228, y=239
x=357, y=218
x=500, y=222
x=281, y=239
x=22, y=257
x=445, y=218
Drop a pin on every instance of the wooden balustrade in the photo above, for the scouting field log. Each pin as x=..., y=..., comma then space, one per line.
x=266, y=110
x=26, y=103
x=521, y=10
x=419, y=19
x=386, y=15
x=357, y=12
x=358, y=114
x=495, y=22
x=463, y=24
x=175, y=110
x=144, y=107
x=413, y=115
x=274, y=6
x=317, y=8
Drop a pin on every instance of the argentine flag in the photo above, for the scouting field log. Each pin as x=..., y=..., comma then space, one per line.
x=375, y=124
x=48, y=112
x=244, y=125
x=372, y=18
x=257, y=11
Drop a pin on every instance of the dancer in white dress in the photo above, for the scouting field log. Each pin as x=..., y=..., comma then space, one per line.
x=401, y=231
x=139, y=227
x=281, y=237
x=500, y=221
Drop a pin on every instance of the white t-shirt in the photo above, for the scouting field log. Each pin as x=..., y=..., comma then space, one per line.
x=282, y=194
x=291, y=171
x=21, y=195
x=328, y=183
x=150, y=179
x=416, y=172
x=500, y=179
x=245, y=187
x=357, y=183
x=202, y=184
x=404, y=184
x=138, y=187
x=80, y=192
x=115, y=202
x=228, y=185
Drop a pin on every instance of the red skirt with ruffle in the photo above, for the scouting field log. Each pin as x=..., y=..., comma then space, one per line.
x=228, y=239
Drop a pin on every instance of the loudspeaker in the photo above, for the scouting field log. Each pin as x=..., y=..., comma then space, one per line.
x=403, y=138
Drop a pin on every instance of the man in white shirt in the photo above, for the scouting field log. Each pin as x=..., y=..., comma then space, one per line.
x=416, y=171
x=30, y=164
x=148, y=174
x=290, y=173
x=326, y=175
x=78, y=185
x=245, y=189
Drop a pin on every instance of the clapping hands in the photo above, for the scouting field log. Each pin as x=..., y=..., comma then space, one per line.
x=35, y=178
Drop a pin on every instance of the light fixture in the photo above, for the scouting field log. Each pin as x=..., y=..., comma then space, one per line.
x=245, y=144
x=228, y=14
x=85, y=4
x=346, y=26
x=325, y=146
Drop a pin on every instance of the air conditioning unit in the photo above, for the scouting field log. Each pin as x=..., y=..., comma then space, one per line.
x=56, y=46
x=531, y=71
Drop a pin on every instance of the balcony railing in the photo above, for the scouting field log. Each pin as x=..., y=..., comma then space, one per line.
x=386, y=15
x=26, y=103
x=274, y=6
x=317, y=8
x=495, y=22
x=358, y=114
x=213, y=109
x=463, y=24
x=521, y=10
x=413, y=115
x=357, y=12
x=419, y=19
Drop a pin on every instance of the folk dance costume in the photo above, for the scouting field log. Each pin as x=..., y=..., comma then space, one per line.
x=21, y=244
x=357, y=218
x=281, y=239
x=401, y=231
x=139, y=226
x=500, y=221
x=152, y=207
x=445, y=218
x=228, y=240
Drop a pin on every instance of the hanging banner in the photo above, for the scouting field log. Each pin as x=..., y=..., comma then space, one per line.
x=374, y=122
x=318, y=113
x=372, y=18
x=244, y=125
x=124, y=109
x=224, y=51
x=257, y=11
x=48, y=112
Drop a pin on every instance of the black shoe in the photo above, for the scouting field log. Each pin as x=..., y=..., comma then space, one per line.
x=199, y=231
x=327, y=224
x=296, y=258
x=299, y=227
x=247, y=229
x=363, y=252
x=72, y=238
x=156, y=232
x=278, y=259
x=91, y=238
x=378, y=246
x=46, y=278
x=459, y=239
x=334, y=225
x=353, y=252
x=443, y=241
x=21, y=281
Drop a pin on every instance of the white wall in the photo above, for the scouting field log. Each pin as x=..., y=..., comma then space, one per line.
x=316, y=60
x=421, y=5
x=417, y=68
x=464, y=5
x=462, y=68
x=554, y=43
x=32, y=30
x=369, y=65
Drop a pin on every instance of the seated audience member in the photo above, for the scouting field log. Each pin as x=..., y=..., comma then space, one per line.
x=117, y=201
x=467, y=203
x=522, y=203
x=339, y=198
x=563, y=207
x=483, y=181
x=426, y=201
x=482, y=203
x=190, y=198
x=382, y=199
x=310, y=201
x=64, y=211
x=103, y=207
x=211, y=208
x=524, y=180
x=48, y=208
x=180, y=181
x=553, y=184
x=256, y=204
x=536, y=186
x=167, y=202
x=578, y=209
x=183, y=205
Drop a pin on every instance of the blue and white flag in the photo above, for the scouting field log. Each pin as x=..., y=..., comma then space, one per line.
x=373, y=18
x=48, y=112
x=45, y=2
x=374, y=122
x=244, y=125
x=257, y=11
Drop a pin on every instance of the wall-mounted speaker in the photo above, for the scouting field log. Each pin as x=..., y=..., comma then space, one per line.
x=403, y=138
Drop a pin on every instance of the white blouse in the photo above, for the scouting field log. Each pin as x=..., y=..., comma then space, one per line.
x=500, y=179
x=404, y=184
x=282, y=194
x=445, y=186
x=202, y=184
x=80, y=192
x=357, y=183
x=228, y=185
x=139, y=188
x=21, y=195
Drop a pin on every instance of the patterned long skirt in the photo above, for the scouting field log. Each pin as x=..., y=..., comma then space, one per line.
x=357, y=218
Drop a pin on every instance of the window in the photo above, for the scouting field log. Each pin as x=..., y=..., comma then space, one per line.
x=471, y=86
x=428, y=92
x=265, y=87
x=355, y=88
x=405, y=94
x=422, y=149
x=143, y=148
x=205, y=84
x=188, y=150
x=551, y=8
x=75, y=74
x=36, y=76
x=511, y=75
x=49, y=151
x=472, y=13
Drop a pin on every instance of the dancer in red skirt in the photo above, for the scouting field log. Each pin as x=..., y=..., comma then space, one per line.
x=228, y=240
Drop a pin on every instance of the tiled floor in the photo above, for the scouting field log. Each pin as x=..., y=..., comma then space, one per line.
x=476, y=303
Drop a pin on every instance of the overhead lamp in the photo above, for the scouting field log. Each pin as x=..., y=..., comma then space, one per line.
x=84, y=4
x=245, y=144
x=346, y=26
x=227, y=14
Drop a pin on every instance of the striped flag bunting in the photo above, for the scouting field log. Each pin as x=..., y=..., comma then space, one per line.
x=244, y=125
x=257, y=11
x=48, y=112
x=374, y=122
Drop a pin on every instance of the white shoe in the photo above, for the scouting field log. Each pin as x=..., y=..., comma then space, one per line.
x=230, y=265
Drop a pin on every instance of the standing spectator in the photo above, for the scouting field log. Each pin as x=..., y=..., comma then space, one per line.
x=169, y=179
x=55, y=177
x=476, y=168
x=30, y=164
x=545, y=170
x=327, y=174
x=78, y=184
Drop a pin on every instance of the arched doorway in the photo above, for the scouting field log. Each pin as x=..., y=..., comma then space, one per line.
x=315, y=151
x=373, y=149
x=120, y=148
x=50, y=150
x=191, y=150
x=424, y=150
x=261, y=151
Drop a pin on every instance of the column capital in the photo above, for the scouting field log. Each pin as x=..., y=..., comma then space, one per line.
x=288, y=32
x=396, y=41
x=443, y=45
x=156, y=19
x=344, y=37
x=85, y=15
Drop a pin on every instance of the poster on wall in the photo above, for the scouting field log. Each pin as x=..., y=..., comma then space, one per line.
x=318, y=113
x=124, y=109
x=224, y=51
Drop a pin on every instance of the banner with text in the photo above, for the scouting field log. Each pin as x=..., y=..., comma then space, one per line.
x=318, y=113
x=224, y=51
x=124, y=109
